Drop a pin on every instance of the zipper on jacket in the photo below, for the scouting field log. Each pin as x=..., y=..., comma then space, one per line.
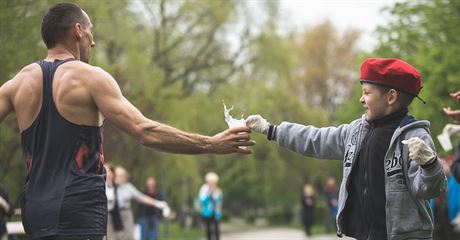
x=357, y=149
x=365, y=165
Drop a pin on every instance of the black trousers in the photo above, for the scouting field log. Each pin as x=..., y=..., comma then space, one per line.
x=212, y=228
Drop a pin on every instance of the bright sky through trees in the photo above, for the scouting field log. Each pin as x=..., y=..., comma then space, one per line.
x=363, y=15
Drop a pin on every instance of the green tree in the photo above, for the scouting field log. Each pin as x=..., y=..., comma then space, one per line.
x=427, y=35
x=327, y=66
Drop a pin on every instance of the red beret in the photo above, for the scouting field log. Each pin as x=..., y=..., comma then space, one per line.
x=393, y=73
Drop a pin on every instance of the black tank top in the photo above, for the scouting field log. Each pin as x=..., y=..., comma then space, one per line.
x=64, y=193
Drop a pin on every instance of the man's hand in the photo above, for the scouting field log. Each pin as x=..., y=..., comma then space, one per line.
x=419, y=151
x=258, y=124
x=161, y=204
x=456, y=96
x=452, y=129
x=454, y=114
x=232, y=140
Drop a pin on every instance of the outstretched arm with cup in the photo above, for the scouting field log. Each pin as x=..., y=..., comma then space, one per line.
x=107, y=95
x=325, y=143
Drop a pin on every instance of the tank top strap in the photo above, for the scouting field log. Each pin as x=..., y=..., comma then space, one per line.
x=48, y=69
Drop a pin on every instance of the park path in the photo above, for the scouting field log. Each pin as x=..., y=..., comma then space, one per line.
x=276, y=234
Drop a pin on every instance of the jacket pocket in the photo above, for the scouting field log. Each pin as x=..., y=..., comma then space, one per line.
x=405, y=215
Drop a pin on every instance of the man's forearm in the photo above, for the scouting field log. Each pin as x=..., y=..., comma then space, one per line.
x=169, y=139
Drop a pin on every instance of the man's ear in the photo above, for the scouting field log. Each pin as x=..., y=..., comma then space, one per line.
x=78, y=31
x=393, y=96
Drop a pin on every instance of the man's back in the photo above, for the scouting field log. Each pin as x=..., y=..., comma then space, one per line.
x=70, y=94
x=64, y=191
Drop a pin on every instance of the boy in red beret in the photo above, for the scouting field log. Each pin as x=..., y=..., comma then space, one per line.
x=390, y=167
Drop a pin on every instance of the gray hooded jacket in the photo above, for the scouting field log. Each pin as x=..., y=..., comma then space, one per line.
x=408, y=186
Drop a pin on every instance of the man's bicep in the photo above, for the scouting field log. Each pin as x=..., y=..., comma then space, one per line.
x=5, y=102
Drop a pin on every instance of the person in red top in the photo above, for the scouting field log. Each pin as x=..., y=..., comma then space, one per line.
x=60, y=104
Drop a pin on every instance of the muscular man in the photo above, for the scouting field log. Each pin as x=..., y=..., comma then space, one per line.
x=60, y=104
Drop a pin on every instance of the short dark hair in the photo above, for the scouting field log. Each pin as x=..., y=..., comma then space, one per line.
x=59, y=20
x=404, y=98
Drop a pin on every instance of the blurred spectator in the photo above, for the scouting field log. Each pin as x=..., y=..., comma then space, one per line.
x=446, y=208
x=6, y=209
x=125, y=192
x=308, y=208
x=332, y=196
x=114, y=222
x=211, y=198
x=150, y=215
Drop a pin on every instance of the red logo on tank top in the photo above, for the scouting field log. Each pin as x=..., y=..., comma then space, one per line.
x=81, y=155
x=28, y=162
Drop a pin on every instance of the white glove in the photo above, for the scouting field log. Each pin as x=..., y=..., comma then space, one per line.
x=452, y=129
x=258, y=124
x=419, y=151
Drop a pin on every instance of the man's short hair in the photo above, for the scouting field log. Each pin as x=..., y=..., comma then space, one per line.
x=59, y=20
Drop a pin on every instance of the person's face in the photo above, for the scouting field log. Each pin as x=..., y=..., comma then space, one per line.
x=374, y=101
x=150, y=183
x=212, y=183
x=121, y=176
x=87, y=41
x=330, y=183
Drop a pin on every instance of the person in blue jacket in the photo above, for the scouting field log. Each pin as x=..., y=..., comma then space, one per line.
x=211, y=197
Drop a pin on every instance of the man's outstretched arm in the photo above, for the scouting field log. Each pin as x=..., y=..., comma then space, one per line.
x=5, y=102
x=118, y=110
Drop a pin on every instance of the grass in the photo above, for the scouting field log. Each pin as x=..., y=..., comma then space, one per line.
x=172, y=231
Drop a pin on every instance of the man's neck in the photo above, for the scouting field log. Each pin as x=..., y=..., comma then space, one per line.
x=61, y=52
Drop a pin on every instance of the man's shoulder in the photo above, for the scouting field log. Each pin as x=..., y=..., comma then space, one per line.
x=85, y=72
x=27, y=70
x=27, y=74
x=82, y=67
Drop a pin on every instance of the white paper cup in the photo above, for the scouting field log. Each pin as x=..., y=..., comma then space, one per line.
x=444, y=139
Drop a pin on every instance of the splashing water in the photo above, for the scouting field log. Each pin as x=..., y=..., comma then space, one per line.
x=233, y=122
